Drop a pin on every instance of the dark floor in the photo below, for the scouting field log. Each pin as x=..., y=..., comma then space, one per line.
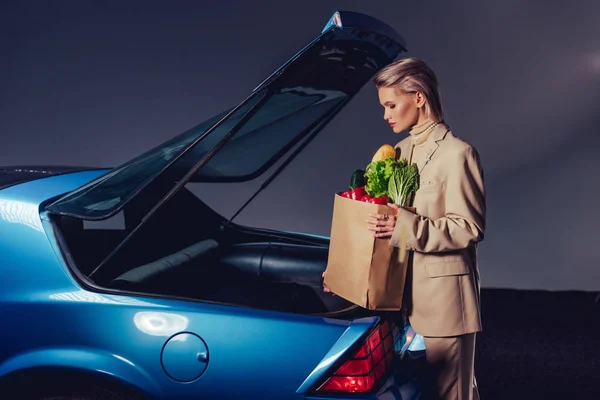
x=539, y=345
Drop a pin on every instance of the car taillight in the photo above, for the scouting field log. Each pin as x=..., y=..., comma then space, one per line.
x=363, y=370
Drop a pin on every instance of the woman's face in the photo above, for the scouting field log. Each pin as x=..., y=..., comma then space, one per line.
x=401, y=109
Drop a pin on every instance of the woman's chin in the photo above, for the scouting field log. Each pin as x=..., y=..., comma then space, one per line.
x=397, y=129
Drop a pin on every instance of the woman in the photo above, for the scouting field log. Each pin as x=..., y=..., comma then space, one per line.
x=442, y=284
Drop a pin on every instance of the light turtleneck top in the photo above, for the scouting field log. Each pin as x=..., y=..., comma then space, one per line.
x=419, y=135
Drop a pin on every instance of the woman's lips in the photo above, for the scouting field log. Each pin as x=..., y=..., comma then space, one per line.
x=392, y=124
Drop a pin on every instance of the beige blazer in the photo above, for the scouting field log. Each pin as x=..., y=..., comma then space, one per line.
x=442, y=285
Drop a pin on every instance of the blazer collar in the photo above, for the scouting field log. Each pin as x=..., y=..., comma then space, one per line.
x=431, y=145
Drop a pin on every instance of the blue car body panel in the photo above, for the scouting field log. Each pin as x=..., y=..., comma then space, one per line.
x=53, y=321
x=162, y=347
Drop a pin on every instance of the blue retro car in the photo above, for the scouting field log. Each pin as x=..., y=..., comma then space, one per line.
x=123, y=284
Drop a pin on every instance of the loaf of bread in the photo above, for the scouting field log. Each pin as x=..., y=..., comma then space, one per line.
x=385, y=151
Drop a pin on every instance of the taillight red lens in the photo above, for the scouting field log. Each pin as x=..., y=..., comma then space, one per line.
x=362, y=352
x=348, y=384
x=388, y=342
x=385, y=329
x=377, y=354
x=374, y=340
x=355, y=367
x=380, y=369
x=389, y=358
x=370, y=362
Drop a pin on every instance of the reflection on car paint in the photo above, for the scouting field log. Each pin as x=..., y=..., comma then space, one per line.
x=411, y=341
x=19, y=212
x=160, y=323
x=417, y=344
x=91, y=297
x=123, y=359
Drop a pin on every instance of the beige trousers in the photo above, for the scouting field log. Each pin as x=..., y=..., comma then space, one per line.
x=450, y=368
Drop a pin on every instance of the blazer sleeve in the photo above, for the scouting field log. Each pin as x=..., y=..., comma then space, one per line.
x=464, y=220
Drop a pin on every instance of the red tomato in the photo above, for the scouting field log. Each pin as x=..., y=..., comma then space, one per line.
x=366, y=198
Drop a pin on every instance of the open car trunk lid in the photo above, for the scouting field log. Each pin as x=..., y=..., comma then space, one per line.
x=297, y=100
x=291, y=106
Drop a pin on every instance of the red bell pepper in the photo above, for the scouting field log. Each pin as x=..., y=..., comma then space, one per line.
x=358, y=193
x=366, y=198
x=379, y=200
x=347, y=194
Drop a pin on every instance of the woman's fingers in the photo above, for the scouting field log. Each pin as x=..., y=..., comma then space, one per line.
x=381, y=228
x=383, y=235
x=374, y=222
x=377, y=216
x=325, y=288
x=381, y=224
x=381, y=219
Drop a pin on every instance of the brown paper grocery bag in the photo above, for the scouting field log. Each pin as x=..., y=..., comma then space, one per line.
x=362, y=269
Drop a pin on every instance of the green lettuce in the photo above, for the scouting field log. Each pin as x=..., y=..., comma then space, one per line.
x=403, y=183
x=378, y=175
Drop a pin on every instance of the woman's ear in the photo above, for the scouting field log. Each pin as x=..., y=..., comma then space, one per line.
x=420, y=99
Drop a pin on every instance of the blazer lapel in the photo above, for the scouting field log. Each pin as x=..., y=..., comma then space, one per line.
x=438, y=134
x=404, y=150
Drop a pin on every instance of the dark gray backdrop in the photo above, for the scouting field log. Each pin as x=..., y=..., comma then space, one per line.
x=95, y=83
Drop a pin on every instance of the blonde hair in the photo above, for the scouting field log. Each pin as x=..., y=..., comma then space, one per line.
x=411, y=75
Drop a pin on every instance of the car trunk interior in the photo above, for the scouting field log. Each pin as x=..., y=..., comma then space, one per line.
x=186, y=250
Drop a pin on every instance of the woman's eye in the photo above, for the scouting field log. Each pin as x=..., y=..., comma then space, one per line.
x=393, y=106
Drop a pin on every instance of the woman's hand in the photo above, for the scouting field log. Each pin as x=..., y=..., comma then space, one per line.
x=325, y=288
x=383, y=224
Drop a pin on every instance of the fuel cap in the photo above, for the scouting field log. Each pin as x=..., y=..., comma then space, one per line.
x=184, y=357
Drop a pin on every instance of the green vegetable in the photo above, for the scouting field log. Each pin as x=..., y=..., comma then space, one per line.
x=378, y=175
x=403, y=184
x=358, y=179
